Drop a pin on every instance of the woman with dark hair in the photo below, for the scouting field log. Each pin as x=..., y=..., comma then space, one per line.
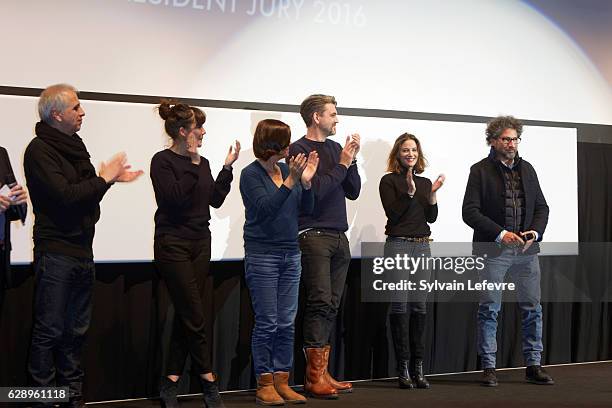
x=274, y=193
x=410, y=204
x=184, y=190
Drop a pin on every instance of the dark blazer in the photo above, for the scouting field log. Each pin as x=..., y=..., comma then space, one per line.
x=11, y=215
x=484, y=200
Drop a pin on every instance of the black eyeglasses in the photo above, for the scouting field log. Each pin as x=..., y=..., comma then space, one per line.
x=507, y=140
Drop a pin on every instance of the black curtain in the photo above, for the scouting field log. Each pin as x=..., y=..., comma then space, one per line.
x=131, y=316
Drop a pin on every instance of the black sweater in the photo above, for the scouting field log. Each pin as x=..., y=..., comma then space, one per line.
x=65, y=192
x=184, y=191
x=332, y=183
x=407, y=217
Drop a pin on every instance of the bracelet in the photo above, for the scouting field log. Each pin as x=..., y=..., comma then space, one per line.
x=354, y=162
x=228, y=167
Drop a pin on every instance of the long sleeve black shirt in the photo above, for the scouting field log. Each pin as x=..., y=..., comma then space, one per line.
x=407, y=217
x=184, y=191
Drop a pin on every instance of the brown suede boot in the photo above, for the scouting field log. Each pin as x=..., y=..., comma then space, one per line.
x=266, y=393
x=281, y=384
x=341, y=386
x=314, y=380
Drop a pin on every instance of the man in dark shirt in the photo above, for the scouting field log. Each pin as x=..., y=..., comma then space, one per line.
x=325, y=248
x=13, y=206
x=505, y=206
x=65, y=192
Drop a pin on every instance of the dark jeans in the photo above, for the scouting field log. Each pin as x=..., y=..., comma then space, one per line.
x=409, y=301
x=525, y=273
x=184, y=265
x=62, y=313
x=325, y=261
x=274, y=283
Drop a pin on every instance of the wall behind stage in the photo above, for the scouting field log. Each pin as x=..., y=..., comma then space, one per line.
x=124, y=232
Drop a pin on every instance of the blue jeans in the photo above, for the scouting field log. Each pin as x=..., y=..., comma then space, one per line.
x=62, y=313
x=525, y=273
x=273, y=280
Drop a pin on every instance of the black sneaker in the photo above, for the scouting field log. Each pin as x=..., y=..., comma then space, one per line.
x=489, y=378
x=167, y=392
x=535, y=374
x=210, y=391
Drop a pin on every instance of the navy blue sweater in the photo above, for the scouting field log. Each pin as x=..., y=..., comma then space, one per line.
x=271, y=212
x=331, y=184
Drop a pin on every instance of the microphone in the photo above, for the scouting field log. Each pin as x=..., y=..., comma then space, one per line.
x=21, y=208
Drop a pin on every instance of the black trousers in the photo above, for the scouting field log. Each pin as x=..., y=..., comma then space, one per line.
x=184, y=265
x=408, y=309
x=325, y=262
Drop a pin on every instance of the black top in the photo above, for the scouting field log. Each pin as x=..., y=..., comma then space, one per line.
x=271, y=212
x=484, y=200
x=65, y=192
x=332, y=183
x=407, y=217
x=184, y=191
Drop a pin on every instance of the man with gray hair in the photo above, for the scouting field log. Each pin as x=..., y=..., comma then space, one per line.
x=65, y=192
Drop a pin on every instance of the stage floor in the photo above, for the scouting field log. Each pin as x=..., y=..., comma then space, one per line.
x=577, y=386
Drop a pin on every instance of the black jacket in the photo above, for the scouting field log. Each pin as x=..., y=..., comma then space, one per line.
x=484, y=206
x=65, y=193
x=11, y=215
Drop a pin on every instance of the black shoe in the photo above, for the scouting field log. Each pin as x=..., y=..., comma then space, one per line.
x=210, y=391
x=403, y=376
x=167, y=392
x=416, y=374
x=535, y=374
x=489, y=378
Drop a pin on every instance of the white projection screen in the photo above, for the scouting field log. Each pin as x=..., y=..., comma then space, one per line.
x=442, y=58
x=125, y=232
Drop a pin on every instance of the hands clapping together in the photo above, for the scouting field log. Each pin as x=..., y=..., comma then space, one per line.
x=116, y=169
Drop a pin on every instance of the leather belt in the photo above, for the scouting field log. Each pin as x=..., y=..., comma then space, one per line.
x=415, y=239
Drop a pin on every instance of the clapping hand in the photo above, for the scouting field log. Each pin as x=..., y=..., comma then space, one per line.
x=232, y=154
x=297, y=164
x=410, y=182
x=435, y=187
x=311, y=168
x=116, y=169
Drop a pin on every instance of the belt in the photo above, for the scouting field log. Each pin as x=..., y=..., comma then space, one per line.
x=415, y=239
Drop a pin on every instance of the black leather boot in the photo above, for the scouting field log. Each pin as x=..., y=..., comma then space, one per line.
x=399, y=333
x=416, y=373
x=417, y=349
x=535, y=374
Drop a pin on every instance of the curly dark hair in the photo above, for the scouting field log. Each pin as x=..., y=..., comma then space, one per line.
x=496, y=126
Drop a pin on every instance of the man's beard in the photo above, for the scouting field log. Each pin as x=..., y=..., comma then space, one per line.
x=506, y=155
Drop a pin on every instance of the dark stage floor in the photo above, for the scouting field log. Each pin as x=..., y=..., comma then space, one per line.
x=577, y=386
